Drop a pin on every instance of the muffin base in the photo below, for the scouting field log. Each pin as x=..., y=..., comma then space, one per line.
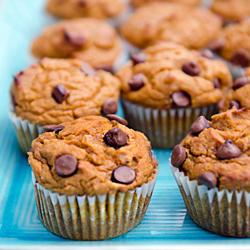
x=92, y=218
x=221, y=212
x=164, y=128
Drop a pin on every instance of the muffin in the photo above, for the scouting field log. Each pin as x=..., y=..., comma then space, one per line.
x=59, y=90
x=93, y=178
x=170, y=22
x=88, y=39
x=138, y=3
x=166, y=87
x=211, y=167
x=232, y=44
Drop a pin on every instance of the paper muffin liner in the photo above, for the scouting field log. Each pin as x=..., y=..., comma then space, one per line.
x=164, y=128
x=26, y=132
x=92, y=218
x=222, y=212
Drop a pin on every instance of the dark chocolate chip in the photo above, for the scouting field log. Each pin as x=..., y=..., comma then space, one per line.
x=207, y=54
x=52, y=128
x=115, y=138
x=123, y=174
x=31, y=150
x=216, y=83
x=107, y=67
x=110, y=106
x=228, y=150
x=88, y=70
x=181, y=99
x=138, y=58
x=199, y=125
x=150, y=152
x=241, y=58
x=240, y=82
x=117, y=118
x=75, y=40
x=217, y=45
x=178, y=156
x=208, y=179
x=13, y=100
x=83, y=3
x=60, y=93
x=234, y=103
x=191, y=68
x=136, y=82
x=66, y=165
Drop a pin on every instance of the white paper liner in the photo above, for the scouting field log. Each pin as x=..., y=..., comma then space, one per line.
x=164, y=128
x=92, y=218
x=222, y=212
x=26, y=132
x=206, y=3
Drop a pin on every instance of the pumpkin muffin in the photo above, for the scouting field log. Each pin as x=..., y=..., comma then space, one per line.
x=166, y=87
x=58, y=90
x=211, y=167
x=93, y=178
x=138, y=3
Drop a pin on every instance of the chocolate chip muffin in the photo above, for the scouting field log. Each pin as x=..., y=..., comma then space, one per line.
x=88, y=39
x=58, y=90
x=211, y=167
x=170, y=22
x=93, y=178
x=166, y=87
x=138, y=3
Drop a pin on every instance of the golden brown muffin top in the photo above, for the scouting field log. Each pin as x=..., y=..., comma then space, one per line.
x=231, y=9
x=153, y=78
x=59, y=90
x=100, y=9
x=217, y=153
x=192, y=27
x=96, y=148
x=88, y=39
x=138, y=3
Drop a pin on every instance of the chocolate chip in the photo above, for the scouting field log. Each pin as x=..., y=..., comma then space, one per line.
x=138, y=58
x=217, y=45
x=136, y=82
x=216, y=83
x=109, y=106
x=31, y=150
x=207, y=54
x=88, y=70
x=150, y=153
x=234, y=103
x=74, y=39
x=107, y=67
x=191, y=68
x=240, y=82
x=83, y=3
x=60, y=93
x=66, y=165
x=181, y=99
x=178, y=156
x=13, y=100
x=52, y=128
x=241, y=58
x=115, y=138
x=123, y=174
x=117, y=118
x=228, y=150
x=199, y=125
x=208, y=179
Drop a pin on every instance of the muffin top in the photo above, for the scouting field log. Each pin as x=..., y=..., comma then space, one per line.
x=90, y=40
x=233, y=43
x=92, y=156
x=100, y=9
x=238, y=96
x=231, y=9
x=138, y=3
x=171, y=22
x=168, y=75
x=217, y=153
x=59, y=90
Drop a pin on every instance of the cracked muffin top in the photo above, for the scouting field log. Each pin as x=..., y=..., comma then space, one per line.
x=100, y=9
x=88, y=39
x=92, y=156
x=167, y=75
x=59, y=90
x=172, y=23
x=217, y=153
x=138, y=3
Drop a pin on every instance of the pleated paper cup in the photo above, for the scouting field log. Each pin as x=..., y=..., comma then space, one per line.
x=221, y=212
x=92, y=218
x=164, y=128
x=26, y=132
